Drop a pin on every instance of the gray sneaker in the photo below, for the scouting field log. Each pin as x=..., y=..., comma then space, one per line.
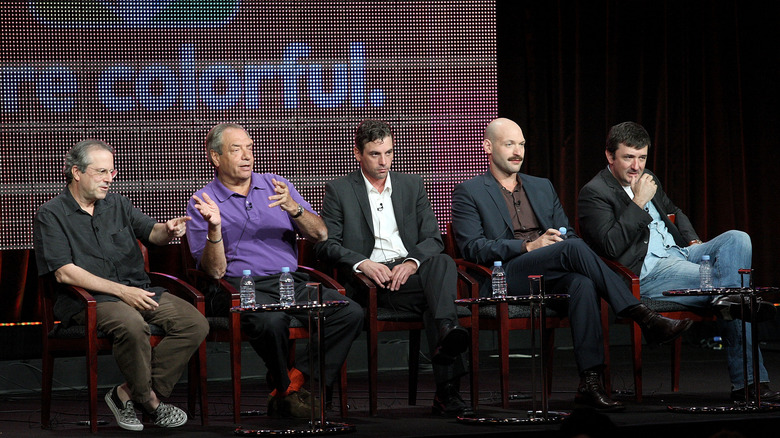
x=124, y=413
x=168, y=416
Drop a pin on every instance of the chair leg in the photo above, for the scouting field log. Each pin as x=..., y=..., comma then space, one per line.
x=676, y=356
x=47, y=366
x=605, y=332
x=371, y=339
x=203, y=385
x=343, y=391
x=474, y=368
x=636, y=344
x=414, y=365
x=549, y=348
x=235, y=375
x=503, y=347
x=92, y=388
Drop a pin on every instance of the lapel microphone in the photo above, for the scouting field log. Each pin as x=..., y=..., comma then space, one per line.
x=381, y=207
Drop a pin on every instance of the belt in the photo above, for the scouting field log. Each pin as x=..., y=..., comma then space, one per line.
x=393, y=260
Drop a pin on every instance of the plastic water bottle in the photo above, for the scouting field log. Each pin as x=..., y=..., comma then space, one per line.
x=713, y=343
x=247, y=289
x=705, y=273
x=286, y=288
x=498, y=280
x=563, y=231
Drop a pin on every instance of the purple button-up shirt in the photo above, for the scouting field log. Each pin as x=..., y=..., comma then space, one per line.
x=255, y=236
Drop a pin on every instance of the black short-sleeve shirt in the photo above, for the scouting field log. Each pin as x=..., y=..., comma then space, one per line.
x=103, y=243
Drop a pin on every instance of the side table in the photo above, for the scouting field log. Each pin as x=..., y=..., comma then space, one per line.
x=537, y=301
x=318, y=425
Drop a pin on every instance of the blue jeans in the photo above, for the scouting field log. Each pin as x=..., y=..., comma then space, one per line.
x=730, y=252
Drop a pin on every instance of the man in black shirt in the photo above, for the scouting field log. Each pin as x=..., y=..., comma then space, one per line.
x=87, y=237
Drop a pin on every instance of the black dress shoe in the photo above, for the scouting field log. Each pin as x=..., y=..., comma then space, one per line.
x=656, y=328
x=766, y=393
x=448, y=402
x=728, y=307
x=591, y=393
x=453, y=340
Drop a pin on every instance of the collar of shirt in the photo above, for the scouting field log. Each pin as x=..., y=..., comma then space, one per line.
x=387, y=240
x=223, y=193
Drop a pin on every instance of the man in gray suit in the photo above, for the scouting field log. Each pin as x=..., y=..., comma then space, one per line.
x=381, y=223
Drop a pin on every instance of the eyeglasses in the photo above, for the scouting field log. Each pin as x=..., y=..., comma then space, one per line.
x=103, y=173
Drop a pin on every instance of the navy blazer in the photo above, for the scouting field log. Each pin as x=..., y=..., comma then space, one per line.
x=347, y=214
x=616, y=228
x=482, y=224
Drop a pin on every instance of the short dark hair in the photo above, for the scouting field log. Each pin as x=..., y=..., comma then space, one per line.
x=371, y=130
x=214, y=138
x=631, y=134
x=78, y=156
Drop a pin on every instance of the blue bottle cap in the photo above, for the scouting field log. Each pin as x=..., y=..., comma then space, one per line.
x=247, y=272
x=286, y=269
x=497, y=263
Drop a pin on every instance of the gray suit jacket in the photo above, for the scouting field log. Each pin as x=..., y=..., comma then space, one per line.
x=616, y=228
x=347, y=214
x=481, y=221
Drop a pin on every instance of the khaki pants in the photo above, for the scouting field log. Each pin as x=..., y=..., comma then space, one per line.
x=144, y=368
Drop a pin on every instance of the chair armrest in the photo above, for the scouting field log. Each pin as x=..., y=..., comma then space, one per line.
x=468, y=286
x=179, y=288
x=631, y=278
x=323, y=278
x=473, y=269
x=368, y=287
x=198, y=278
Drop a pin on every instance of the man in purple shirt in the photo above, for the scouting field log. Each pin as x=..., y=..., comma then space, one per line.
x=245, y=220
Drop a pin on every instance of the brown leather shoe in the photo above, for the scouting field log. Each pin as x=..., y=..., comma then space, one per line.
x=591, y=393
x=767, y=395
x=656, y=328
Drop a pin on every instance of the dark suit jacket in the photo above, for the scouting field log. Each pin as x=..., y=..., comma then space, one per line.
x=481, y=221
x=347, y=214
x=616, y=227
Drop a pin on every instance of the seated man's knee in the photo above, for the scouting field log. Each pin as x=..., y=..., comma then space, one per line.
x=740, y=238
x=133, y=329
x=272, y=323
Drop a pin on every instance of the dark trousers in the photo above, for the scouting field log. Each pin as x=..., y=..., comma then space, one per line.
x=269, y=332
x=571, y=267
x=431, y=291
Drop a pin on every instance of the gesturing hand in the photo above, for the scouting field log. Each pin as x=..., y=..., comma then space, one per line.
x=208, y=209
x=177, y=226
x=282, y=198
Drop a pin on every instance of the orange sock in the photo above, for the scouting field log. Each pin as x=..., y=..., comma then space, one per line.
x=296, y=381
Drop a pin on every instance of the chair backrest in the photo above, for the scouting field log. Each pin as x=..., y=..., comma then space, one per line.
x=450, y=247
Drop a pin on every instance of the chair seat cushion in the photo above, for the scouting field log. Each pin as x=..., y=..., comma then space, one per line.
x=79, y=331
x=516, y=311
x=222, y=323
x=385, y=314
x=661, y=306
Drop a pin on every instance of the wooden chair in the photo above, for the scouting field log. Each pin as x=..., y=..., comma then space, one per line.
x=228, y=328
x=668, y=309
x=504, y=317
x=88, y=340
x=380, y=319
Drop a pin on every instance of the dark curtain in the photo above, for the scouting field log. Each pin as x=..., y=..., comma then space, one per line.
x=702, y=78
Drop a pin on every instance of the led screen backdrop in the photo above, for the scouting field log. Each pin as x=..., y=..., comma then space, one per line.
x=151, y=78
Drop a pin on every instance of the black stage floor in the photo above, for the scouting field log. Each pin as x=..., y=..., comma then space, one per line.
x=704, y=383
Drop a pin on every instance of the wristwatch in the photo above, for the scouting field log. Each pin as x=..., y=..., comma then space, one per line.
x=298, y=213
